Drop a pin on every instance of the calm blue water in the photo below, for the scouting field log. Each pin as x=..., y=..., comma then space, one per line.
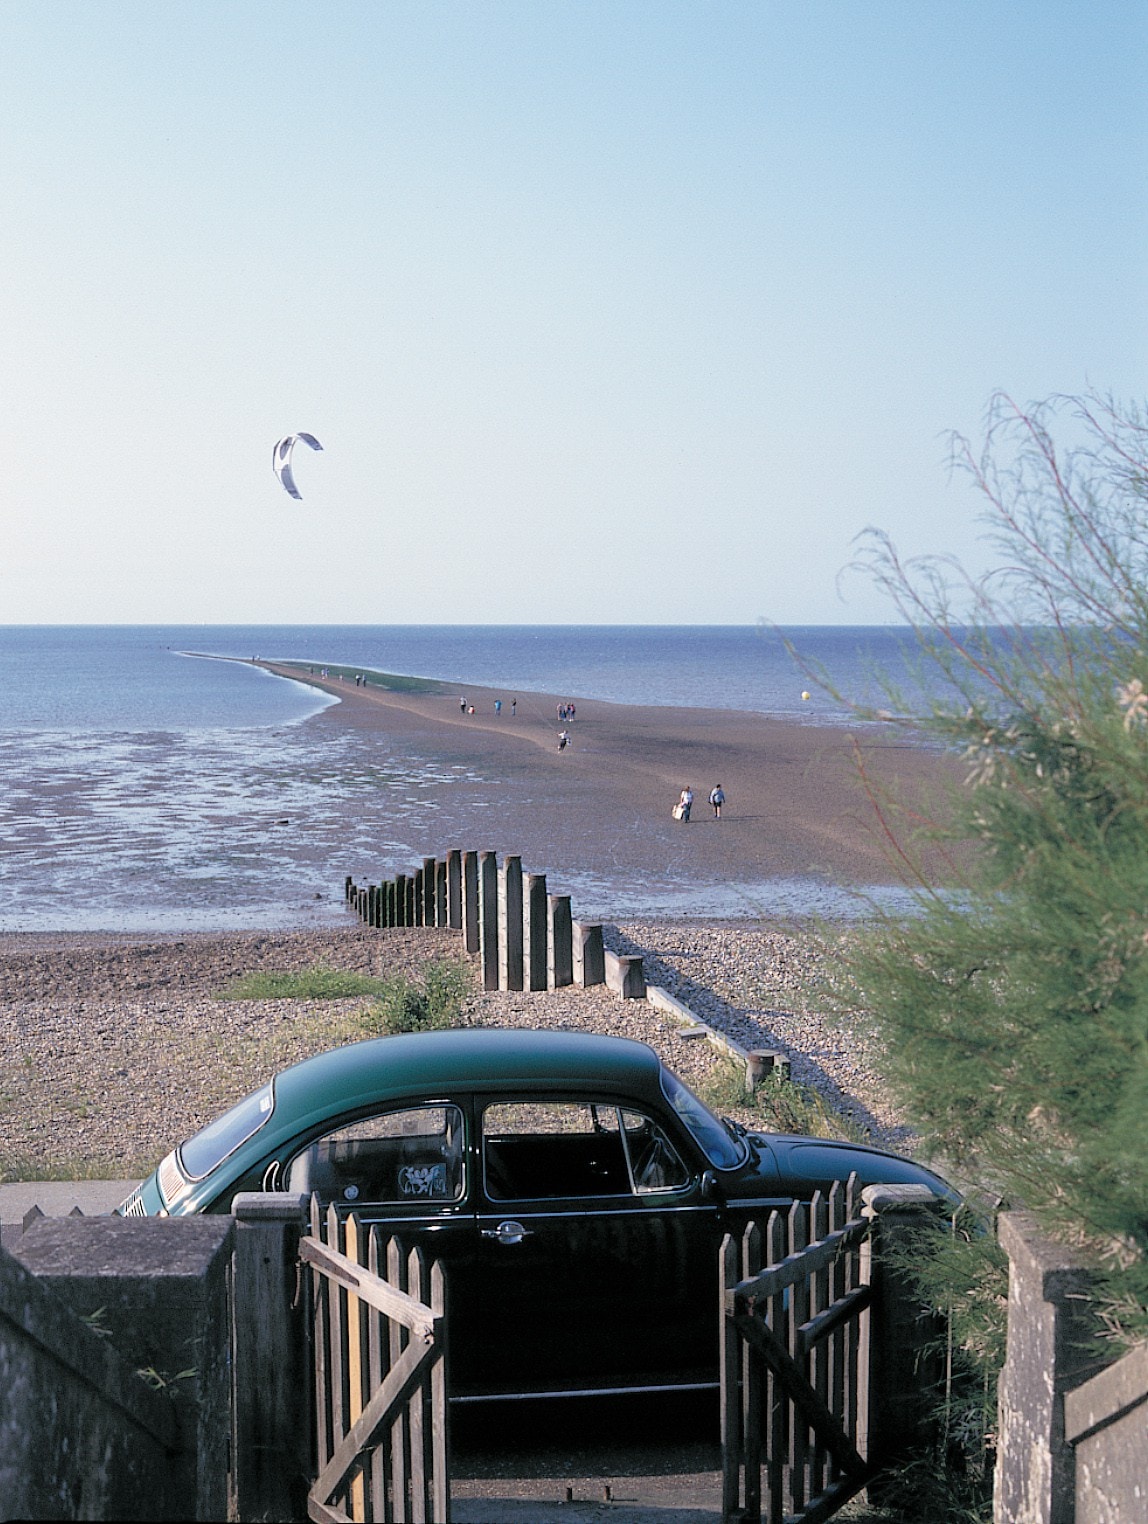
x=145, y=788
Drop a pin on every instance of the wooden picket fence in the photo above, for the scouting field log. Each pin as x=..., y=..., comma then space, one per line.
x=380, y=1377
x=795, y=1362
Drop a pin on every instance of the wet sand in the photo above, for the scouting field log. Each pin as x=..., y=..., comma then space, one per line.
x=795, y=806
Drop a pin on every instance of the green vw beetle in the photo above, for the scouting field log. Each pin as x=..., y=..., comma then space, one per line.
x=574, y=1188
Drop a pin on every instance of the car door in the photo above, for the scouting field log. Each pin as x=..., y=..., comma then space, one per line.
x=405, y=1169
x=597, y=1252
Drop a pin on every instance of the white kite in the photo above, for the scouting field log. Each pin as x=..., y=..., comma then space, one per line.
x=281, y=460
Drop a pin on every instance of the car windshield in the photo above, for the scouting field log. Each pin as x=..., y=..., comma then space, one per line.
x=208, y=1149
x=722, y=1149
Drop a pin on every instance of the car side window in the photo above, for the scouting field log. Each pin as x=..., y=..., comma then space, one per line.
x=402, y=1158
x=654, y=1161
x=535, y=1150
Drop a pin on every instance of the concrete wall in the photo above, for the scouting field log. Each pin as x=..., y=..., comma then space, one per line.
x=161, y=1288
x=1051, y=1324
x=81, y=1435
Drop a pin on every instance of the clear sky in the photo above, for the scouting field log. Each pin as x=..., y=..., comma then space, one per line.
x=605, y=311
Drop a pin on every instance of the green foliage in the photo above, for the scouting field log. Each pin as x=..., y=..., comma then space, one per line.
x=316, y=983
x=433, y=1005
x=776, y=1105
x=1015, y=1013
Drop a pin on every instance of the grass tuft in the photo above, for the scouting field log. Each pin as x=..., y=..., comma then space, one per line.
x=316, y=983
x=776, y=1105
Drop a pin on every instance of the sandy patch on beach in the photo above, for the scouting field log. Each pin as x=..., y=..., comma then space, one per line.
x=601, y=807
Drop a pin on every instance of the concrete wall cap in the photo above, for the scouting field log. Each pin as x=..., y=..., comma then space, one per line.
x=269, y=1206
x=893, y=1198
x=1062, y=1271
x=1107, y=1396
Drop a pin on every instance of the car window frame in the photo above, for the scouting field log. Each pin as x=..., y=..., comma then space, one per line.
x=406, y=1207
x=612, y=1103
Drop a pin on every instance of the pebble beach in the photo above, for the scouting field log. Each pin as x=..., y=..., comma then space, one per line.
x=116, y=1047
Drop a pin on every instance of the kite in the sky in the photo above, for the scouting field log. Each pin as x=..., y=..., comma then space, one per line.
x=281, y=460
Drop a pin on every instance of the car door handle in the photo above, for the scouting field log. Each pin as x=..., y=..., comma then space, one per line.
x=508, y=1233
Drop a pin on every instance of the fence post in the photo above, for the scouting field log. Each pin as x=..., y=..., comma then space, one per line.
x=271, y=1387
x=470, y=923
x=430, y=890
x=534, y=931
x=440, y=890
x=488, y=917
x=1050, y=1320
x=560, y=966
x=902, y=1368
x=454, y=889
x=589, y=954
x=510, y=924
x=401, y=899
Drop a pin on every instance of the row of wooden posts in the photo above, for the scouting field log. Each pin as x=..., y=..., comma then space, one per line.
x=526, y=938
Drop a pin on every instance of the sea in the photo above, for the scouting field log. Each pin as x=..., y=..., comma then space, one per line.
x=153, y=780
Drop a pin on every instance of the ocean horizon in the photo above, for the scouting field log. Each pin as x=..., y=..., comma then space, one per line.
x=144, y=788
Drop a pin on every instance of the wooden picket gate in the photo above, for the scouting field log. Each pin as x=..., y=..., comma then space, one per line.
x=380, y=1379
x=795, y=1362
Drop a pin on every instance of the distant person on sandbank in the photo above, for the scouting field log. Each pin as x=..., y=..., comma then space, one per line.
x=563, y=740
x=685, y=803
x=717, y=799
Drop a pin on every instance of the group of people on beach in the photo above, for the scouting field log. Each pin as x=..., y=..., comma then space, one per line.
x=686, y=802
x=465, y=708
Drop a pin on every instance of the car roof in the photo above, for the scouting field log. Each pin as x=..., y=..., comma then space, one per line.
x=477, y=1058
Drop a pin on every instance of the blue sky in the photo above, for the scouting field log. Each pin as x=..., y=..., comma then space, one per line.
x=604, y=312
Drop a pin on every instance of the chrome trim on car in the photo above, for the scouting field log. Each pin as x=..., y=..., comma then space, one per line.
x=591, y=1391
x=133, y=1206
x=170, y=1178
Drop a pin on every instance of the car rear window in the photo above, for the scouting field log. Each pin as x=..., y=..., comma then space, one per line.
x=208, y=1149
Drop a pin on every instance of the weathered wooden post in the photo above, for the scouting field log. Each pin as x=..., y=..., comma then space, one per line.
x=412, y=900
x=348, y=886
x=401, y=900
x=430, y=881
x=418, y=909
x=271, y=1423
x=535, y=933
x=389, y=889
x=488, y=917
x=440, y=891
x=471, y=931
x=901, y=1360
x=510, y=924
x=762, y=1064
x=589, y=961
x=454, y=889
x=560, y=965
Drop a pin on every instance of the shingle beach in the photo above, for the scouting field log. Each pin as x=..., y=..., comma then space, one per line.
x=117, y=1047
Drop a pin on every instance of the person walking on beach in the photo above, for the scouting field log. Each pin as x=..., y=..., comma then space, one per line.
x=498, y=706
x=513, y=708
x=717, y=799
x=686, y=803
x=563, y=740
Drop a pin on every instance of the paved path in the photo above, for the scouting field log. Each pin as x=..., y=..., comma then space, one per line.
x=57, y=1198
